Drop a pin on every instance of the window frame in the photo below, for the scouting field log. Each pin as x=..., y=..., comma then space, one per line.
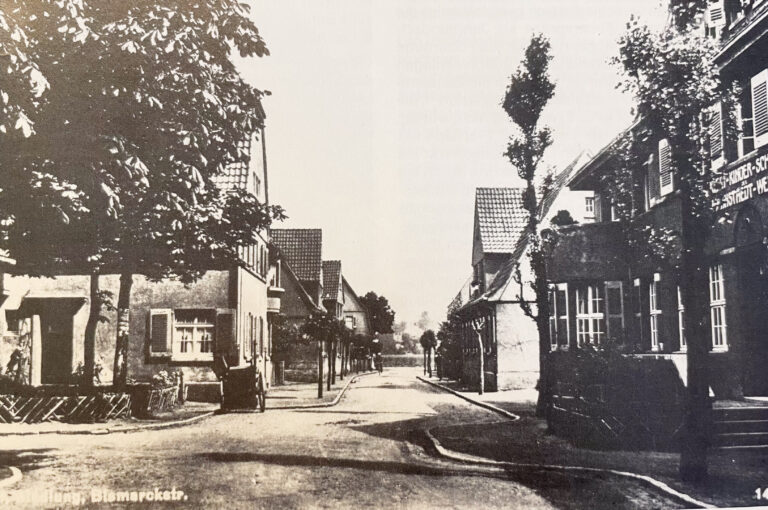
x=681, y=320
x=197, y=353
x=590, y=316
x=555, y=317
x=654, y=312
x=717, y=311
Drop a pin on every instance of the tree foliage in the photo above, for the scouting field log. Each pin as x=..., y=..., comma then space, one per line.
x=380, y=314
x=529, y=91
x=117, y=119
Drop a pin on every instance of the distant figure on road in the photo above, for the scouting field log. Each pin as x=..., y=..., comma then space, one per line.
x=379, y=363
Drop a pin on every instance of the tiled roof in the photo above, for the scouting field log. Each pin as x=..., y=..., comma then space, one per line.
x=235, y=175
x=303, y=249
x=332, y=279
x=500, y=217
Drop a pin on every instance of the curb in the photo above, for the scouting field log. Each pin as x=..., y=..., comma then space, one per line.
x=480, y=403
x=14, y=478
x=463, y=457
x=106, y=430
x=325, y=404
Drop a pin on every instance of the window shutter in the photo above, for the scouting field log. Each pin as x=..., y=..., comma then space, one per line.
x=760, y=107
x=666, y=184
x=226, y=336
x=716, y=136
x=654, y=190
x=160, y=327
x=716, y=13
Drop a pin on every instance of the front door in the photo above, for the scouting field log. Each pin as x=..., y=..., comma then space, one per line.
x=56, y=337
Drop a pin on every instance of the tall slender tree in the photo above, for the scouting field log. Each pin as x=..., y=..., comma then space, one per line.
x=528, y=93
x=675, y=81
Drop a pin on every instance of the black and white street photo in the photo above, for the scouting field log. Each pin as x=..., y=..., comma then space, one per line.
x=388, y=254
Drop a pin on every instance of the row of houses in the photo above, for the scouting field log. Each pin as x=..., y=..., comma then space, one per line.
x=175, y=326
x=606, y=289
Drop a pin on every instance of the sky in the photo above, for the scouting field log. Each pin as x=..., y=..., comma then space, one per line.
x=384, y=116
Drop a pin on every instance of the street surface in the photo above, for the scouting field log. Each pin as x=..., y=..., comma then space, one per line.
x=368, y=451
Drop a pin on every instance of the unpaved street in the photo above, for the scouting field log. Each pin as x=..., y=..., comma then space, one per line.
x=366, y=452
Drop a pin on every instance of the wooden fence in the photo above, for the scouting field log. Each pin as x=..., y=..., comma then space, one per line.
x=71, y=409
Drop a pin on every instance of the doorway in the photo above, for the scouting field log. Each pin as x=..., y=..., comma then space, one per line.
x=56, y=338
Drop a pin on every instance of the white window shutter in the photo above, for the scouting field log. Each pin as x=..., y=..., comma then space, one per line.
x=716, y=13
x=225, y=338
x=666, y=184
x=716, y=142
x=760, y=107
x=160, y=331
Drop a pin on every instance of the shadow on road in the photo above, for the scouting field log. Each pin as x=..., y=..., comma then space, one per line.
x=310, y=461
x=26, y=460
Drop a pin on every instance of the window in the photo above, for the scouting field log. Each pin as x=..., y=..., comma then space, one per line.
x=190, y=334
x=638, y=310
x=759, y=87
x=717, y=308
x=558, y=315
x=746, y=142
x=590, y=315
x=12, y=320
x=193, y=331
x=614, y=306
x=349, y=322
x=666, y=182
x=655, y=312
x=716, y=142
x=681, y=319
x=589, y=207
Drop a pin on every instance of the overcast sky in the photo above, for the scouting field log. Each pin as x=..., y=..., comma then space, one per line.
x=385, y=116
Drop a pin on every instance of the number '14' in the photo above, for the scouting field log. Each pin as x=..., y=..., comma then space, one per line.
x=761, y=493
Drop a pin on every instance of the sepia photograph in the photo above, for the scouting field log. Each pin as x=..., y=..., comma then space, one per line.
x=385, y=254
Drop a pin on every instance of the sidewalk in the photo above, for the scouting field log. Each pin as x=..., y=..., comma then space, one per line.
x=734, y=475
x=188, y=413
x=293, y=395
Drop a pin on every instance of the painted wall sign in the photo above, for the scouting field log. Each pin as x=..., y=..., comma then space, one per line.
x=747, y=180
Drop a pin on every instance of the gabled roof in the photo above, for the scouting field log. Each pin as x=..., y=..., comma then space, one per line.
x=303, y=249
x=332, y=280
x=304, y=297
x=499, y=218
x=497, y=288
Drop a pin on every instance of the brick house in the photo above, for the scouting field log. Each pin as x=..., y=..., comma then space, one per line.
x=625, y=294
x=172, y=326
x=490, y=301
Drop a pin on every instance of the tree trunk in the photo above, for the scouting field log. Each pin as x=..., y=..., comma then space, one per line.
x=541, y=316
x=120, y=370
x=89, y=339
x=429, y=361
x=319, y=369
x=328, y=347
x=694, y=277
x=341, y=367
x=333, y=360
x=482, y=362
x=425, y=360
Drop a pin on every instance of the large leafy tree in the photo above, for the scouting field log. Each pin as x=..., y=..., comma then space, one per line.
x=528, y=93
x=675, y=81
x=139, y=108
x=381, y=315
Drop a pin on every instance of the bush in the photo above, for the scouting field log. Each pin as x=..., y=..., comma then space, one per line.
x=630, y=402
